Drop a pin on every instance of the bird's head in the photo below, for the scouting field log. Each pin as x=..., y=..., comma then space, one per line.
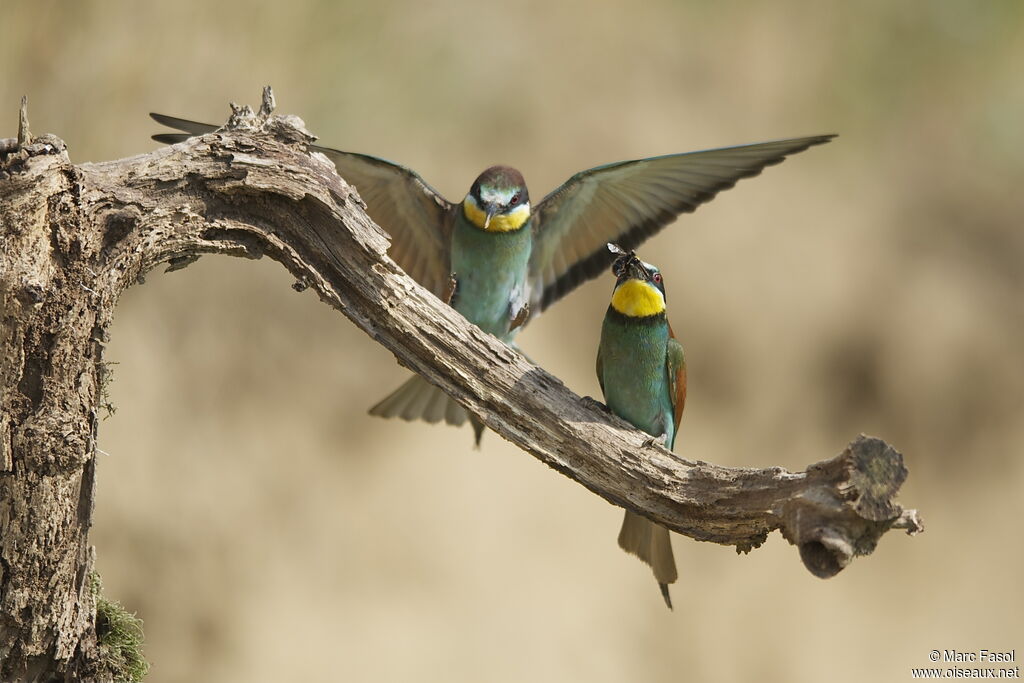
x=498, y=200
x=639, y=287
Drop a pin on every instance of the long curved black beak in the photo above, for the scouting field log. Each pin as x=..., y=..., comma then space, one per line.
x=492, y=211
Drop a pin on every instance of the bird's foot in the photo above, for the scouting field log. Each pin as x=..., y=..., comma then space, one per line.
x=657, y=441
x=453, y=284
x=595, y=404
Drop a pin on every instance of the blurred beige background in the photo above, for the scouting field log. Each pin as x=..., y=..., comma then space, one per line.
x=267, y=529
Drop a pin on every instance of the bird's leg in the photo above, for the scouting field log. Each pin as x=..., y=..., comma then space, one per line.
x=520, y=317
x=591, y=402
x=662, y=440
x=453, y=285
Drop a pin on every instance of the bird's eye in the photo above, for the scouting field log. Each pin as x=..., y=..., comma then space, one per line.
x=657, y=278
x=515, y=199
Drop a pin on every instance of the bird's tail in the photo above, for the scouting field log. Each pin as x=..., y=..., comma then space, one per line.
x=651, y=543
x=418, y=399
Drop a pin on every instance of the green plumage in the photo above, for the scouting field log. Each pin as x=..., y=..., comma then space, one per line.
x=634, y=372
x=491, y=271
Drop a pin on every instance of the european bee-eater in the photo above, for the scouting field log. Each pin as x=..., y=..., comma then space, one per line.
x=642, y=373
x=497, y=259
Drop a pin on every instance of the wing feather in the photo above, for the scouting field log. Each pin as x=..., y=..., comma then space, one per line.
x=627, y=202
x=675, y=365
x=416, y=216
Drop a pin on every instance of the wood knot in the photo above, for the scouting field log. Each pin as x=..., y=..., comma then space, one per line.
x=825, y=551
x=31, y=294
x=117, y=224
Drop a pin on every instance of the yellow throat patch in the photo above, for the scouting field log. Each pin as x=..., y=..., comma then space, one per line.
x=638, y=299
x=506, y=222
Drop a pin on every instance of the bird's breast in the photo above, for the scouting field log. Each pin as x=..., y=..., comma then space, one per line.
x=491, y=271
x=635, y=377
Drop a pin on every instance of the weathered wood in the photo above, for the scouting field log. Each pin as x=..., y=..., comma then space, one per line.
x=49, y=354
x=75, y=237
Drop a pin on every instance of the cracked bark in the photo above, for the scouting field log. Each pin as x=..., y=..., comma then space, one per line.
x=75, y=237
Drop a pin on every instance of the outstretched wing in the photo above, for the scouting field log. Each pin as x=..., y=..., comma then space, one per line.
x=675, y=365
x=416, y=216
x=627, y=202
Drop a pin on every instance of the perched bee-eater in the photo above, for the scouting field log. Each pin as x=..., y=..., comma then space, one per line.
x=499, y=260
x=642, y=373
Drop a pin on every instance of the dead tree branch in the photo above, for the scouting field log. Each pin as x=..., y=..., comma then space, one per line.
x=75, y=236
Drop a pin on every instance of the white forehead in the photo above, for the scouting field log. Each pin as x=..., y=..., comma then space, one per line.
x=493, y=195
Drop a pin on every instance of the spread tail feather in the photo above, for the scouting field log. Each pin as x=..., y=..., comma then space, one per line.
x=418, y=399
x=651, y=543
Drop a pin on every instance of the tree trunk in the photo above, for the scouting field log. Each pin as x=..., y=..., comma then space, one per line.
x=51, y=349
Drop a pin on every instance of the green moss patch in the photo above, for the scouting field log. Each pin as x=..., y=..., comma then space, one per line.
x=119, y=636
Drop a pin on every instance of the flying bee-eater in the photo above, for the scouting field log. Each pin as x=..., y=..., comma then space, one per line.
x=499, y=260
x=642, y=373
